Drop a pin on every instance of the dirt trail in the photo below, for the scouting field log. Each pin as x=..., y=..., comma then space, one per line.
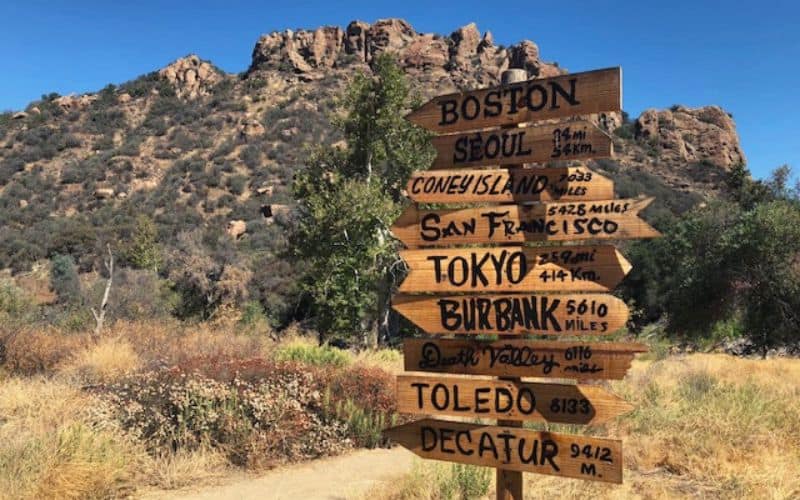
x=344, y=477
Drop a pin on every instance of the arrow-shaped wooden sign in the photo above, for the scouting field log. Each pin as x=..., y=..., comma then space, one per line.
x=509, y=185
x=578, y=140
x=521, y=358
x=538, y=99
x=577, y=314
x=514, y=269
x=597, y=220
x=513, y=448
x=509, y=400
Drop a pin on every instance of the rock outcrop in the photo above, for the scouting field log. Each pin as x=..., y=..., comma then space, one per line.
x=687, y=135
x=191, y=76
x=309, y=52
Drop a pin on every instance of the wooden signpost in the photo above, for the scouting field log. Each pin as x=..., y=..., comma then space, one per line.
x=513, y=290
x=514, y=269
x=595, y=220
x=509, y=185
x=513, y=449
x=521, y=358
x=540, y=143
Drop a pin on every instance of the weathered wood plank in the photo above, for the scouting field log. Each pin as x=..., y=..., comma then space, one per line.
x=538, y=99
x=509, y=185
x=507, y=399
x=596, y=268
x=595, y=220
x=576, y=140
x=521, y=358
x=576, y=314
x=564, y=455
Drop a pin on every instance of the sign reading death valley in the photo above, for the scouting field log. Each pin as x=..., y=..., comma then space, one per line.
x=521, y=358
x=578, y=140
x=508, y=185
x=514, y=269
x=505, y=399
x=538, y=99
x=579, y=314
x=513, y=448
x=597, y=220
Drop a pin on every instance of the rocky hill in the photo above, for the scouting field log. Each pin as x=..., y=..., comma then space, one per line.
x=197, y=149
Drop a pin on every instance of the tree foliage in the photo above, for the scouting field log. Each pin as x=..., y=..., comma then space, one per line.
x=64, y=280
x=348, y=197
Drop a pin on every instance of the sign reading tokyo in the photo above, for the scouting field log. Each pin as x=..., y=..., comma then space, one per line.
x=538, y=99
x=513, y=448
x=508, y=185
x=579, y=314
x=459, y=397
x=514, y=269
x=537, y=144
x=599, y=220
x=521, y=358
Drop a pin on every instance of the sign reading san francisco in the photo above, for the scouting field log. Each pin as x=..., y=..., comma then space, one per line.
x=505, y=399
x=509, y=185
x=521, y=358
x=514, y=269
x=511, y=448
x=609, y=219
x=562, y=96
x=579, y=314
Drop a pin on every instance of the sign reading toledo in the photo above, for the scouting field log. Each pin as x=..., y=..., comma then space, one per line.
x=516, y=290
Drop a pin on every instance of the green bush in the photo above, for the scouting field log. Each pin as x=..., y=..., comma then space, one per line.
x=64, y=280
x=311, y=354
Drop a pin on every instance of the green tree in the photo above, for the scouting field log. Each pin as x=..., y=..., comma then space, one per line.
x=144, y=251
x=64, y=280
x=349, y=197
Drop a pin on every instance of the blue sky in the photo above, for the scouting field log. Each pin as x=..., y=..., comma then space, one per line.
x=743, y=56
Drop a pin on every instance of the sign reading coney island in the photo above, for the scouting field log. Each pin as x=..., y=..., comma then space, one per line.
x=578, y=314
x=513, y=448
x=535, y=144
x=521, y=358
x=509, y=185
x=538, y=99
x=514, y=269
x=505, y=399
x=596, y=220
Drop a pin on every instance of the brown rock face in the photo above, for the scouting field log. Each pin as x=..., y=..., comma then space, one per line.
x=236, y=228
x=687, y=135
x=191, y=76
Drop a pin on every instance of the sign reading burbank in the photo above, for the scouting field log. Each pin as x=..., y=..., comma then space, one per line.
x=514, y=269
x=576, y=140
x=538, y=99
x=508, y=185
x=521, y=358
x=505, y=399
x=578, y=314
x=609, y=219
x=513, y=448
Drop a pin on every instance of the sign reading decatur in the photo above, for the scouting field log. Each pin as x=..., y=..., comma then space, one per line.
x=505, y=399
x=596, y=220
x=538, y=99
x=577, y=140
x=514, y=269
x=513, y=448
x=578, y=314
x=521, y=358
x=508, y=185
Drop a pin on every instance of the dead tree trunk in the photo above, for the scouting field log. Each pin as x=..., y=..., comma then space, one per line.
x=100, y=317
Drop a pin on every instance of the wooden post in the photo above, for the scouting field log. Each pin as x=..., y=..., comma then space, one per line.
x=508, y=482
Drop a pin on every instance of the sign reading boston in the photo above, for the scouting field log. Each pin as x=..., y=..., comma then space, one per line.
x=580, y=314
x=538, y=99
x=510, y=448
x=508, y=185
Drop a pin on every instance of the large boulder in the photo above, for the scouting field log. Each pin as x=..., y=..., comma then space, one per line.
x=191, y=76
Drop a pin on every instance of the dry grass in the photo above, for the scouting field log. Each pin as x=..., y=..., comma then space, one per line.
x=104, y=362
x=706, y=426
